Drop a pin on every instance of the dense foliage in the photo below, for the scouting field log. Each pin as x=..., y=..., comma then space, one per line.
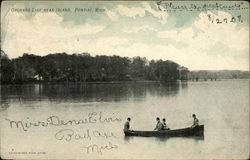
x=62, y=67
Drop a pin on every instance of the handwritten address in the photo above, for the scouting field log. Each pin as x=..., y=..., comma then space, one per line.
x=69, y=134
x=94, y=140
x=91, y=118
x=99, y=148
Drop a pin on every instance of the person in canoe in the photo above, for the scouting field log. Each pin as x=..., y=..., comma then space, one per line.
x=195, y=122
x=159, y=125
x=165, y=127
x=126, y=125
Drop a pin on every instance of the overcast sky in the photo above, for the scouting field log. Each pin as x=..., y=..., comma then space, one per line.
x=128, y=29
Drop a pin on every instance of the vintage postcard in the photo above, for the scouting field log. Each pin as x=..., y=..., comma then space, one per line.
x=124, y=80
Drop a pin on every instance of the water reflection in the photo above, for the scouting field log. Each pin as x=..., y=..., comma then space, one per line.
x=4, y=105
x=90, y=92
x=127, y=139
x=164, y=139
x=184, y=84
x=213, y=102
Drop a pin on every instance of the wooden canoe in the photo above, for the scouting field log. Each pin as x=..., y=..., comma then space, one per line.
x=184, y=132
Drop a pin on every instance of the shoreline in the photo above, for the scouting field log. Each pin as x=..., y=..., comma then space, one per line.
x=120, y=82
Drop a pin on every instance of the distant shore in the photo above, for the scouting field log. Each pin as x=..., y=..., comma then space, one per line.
x=122, y=82
x=84, y=68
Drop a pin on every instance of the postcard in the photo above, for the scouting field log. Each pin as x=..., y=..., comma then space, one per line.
x=124, y=80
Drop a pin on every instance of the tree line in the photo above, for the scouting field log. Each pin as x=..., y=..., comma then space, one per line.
x=219, y=74
x=62, y=67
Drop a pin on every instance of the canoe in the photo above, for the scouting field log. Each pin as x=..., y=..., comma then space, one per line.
x=184, y=132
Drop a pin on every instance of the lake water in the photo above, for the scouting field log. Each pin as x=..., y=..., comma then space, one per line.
x=222, y=106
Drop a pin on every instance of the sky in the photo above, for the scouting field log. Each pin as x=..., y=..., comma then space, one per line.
x=129, y=29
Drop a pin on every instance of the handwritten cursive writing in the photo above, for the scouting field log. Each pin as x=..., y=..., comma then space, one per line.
x=69, y=134
x=99, y=148
x=204, y=6
x=91, y=118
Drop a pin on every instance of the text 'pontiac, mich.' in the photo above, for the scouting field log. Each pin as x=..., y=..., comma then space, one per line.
x=47, y=10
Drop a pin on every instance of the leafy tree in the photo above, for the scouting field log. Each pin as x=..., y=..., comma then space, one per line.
x=61, y=67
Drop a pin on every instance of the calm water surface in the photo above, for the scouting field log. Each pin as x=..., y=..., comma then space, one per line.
x=222, y=106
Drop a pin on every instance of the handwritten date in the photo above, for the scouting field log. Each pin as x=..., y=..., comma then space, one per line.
x=233, y=19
